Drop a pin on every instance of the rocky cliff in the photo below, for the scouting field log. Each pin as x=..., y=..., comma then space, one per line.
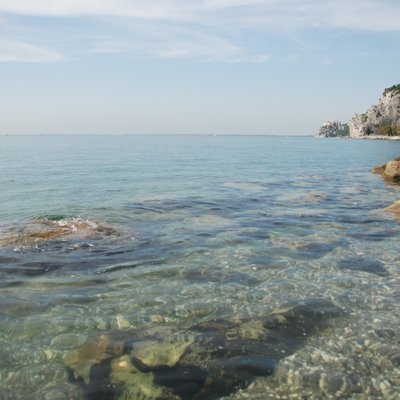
x=333, y=129
x=382, y=119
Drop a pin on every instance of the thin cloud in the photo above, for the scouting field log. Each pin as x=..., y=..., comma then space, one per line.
x=152, y=9
x=209, y=30
x=381, y=15
x=164, y=40
x=11, y=51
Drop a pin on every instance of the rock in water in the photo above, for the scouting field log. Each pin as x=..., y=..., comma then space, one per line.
x=379, y=170
x=165, y=352
x=395, y=207
x=93, y=352
x=392, y=170
x=363, y=264
x=43, y=230
x=304, y=318
x=210, y=360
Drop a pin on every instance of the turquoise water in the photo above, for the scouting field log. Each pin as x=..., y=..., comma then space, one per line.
x=106, y=235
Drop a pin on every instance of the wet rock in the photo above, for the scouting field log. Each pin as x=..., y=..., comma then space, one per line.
x=83, y=358
x=210, y=360
x=45, y=230
x=135, y=384
x=186, y=381
x=390, y=171
x=379, y=170
x=166, y=352
x=302, y=319
x=395, y=207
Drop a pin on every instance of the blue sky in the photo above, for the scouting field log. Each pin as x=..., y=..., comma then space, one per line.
x=186, y=66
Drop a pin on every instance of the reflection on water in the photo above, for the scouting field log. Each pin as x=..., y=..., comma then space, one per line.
x=210, y=273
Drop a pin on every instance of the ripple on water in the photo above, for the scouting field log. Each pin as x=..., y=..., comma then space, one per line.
x=212, y=269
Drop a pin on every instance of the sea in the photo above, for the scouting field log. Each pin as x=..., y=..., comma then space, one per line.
x=149, y=267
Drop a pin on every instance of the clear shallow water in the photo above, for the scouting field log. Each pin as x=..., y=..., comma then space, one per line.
x=104, y=235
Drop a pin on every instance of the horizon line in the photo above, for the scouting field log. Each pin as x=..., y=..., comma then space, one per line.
x=159, y=134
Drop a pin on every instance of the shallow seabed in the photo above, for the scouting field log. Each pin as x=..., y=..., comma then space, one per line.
x=138, y=239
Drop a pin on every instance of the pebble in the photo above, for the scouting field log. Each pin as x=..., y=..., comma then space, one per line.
x=122, y=322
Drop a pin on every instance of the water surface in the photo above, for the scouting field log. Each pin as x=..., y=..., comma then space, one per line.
x=101, y=235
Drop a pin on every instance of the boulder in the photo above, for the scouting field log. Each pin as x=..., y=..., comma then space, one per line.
x=395, y=207
x=390, y=171
x=379, y=170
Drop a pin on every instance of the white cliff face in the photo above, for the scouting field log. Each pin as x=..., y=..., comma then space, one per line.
x=385, y=113
x=333, y=129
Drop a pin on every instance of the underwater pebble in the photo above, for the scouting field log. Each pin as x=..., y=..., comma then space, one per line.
x=157, y=318
x=50, y=354
x=122, y=322
x=101, y=324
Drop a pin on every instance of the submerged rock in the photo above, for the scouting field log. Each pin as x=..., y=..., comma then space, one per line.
x=363, y=264
x=135, y=384
x=165, y=352
x=44, y=230
x=210, y=360
x=82, y=359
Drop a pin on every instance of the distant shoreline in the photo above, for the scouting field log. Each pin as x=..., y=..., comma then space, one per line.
x=375, y=137
x=159, y=134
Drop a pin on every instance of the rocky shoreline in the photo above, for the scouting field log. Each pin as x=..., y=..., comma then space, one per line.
x=391, y=173
x=377, y=137
x=380, y=122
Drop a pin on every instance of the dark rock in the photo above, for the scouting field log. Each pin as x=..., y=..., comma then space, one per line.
x=210, y=360
x=363, y=264
x=303, y=318
x=185, y=380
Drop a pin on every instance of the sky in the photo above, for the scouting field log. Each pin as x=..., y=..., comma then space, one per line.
x=193, y=66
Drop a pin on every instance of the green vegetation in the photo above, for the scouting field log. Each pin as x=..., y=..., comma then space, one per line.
x=394, y=88
x=389, y=130
x=344, y=130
